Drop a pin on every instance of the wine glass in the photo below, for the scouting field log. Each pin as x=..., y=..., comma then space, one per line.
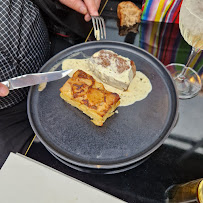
x=187, y=80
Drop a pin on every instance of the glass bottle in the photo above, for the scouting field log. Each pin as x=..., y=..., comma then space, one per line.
x=190, y=192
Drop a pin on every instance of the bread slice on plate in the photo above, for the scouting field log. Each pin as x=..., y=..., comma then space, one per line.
x=113, y=69
x=128, y=13
x=85, y=93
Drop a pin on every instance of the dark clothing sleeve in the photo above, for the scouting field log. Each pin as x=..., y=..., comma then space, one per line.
x=61, y=19
x=24, y=48
x=24, y=44
x=15, y=130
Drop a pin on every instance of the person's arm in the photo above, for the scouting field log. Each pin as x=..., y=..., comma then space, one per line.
x=3, y=90
x=86, y=7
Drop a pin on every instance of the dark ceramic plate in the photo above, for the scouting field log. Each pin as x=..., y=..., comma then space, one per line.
x=125, y=138
x=100, y=171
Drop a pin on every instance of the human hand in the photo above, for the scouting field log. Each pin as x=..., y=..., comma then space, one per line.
x=86, y=7
x=3, y=90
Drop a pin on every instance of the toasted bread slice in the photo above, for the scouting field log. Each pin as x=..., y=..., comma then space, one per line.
x=85, y=93
x=128, y=13
x=125, y=30
x=113, y=69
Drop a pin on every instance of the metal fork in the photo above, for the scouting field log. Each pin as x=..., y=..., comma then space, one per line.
x=99, y=27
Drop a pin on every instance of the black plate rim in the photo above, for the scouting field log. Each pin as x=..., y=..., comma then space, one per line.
x=118, y=165
x=100, y=171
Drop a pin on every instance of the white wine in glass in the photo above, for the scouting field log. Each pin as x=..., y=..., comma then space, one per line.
x=187, y=80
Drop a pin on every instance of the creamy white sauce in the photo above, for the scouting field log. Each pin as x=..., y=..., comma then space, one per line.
x=138, y=90
x=97, y=35
x=43, y=85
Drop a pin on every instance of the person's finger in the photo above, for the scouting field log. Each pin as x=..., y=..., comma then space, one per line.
x=87, y=17
x=3, y=90
x=92, y=7
x=97, y=2
x=77, y=5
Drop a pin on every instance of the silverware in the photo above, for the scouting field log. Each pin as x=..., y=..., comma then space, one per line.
x=34, y=79
x=99, y=27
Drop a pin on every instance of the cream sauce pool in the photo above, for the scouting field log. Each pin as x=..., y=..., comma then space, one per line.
x=138, y=90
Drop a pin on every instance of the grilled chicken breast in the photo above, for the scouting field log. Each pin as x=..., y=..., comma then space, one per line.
x=85, y=93
x=113, y=69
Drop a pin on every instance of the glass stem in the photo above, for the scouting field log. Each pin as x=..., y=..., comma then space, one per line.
x=193, y=53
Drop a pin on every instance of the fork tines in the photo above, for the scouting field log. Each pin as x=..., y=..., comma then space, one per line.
x=99, y=27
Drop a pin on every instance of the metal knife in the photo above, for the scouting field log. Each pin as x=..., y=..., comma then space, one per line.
x=34, y=79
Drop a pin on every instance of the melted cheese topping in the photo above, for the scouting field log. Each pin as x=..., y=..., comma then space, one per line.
x=138, y=90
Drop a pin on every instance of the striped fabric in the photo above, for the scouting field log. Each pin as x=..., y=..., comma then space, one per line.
x=154, y=36
x=161, y=10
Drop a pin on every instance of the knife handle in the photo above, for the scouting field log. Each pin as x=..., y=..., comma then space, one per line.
x=6, y=83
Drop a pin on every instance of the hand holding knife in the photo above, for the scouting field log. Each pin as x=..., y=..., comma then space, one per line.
x=30, y=80
x=3, y=90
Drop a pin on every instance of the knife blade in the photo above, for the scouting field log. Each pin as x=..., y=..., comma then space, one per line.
x=34, y=79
